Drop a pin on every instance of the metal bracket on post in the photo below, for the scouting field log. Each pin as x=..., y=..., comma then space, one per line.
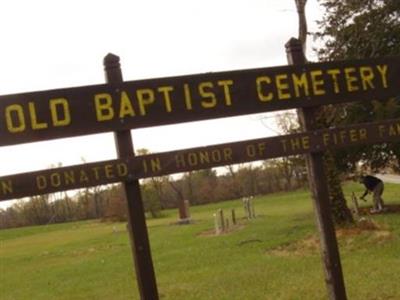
x=137, y=222
x=319, y=188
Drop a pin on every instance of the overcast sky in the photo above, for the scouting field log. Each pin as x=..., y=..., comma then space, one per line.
x=57, y=44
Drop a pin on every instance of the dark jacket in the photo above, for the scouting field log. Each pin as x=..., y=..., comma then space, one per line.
x=370, y=182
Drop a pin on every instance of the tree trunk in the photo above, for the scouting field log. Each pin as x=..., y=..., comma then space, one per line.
x=340, y=211
x=301, y=5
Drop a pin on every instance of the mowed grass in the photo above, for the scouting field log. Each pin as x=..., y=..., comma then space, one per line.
x=274, y=256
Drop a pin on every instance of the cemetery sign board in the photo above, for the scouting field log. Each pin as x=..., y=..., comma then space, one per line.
x=92, y=174
x=45, y=115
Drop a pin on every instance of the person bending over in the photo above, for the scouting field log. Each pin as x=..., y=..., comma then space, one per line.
x=375, y=186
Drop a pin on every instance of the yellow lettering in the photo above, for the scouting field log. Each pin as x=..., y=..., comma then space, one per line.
x=300, y=83
x=188, y=97
x=122, y=169
x=34, y=122
x=109, y=171
x=367, y=76
x=260, y=81
x=216, y=155
x=382, y=130
x=317, y=82
x=83, y=176
x=227, y=154
x=55, y=118
x=103, y=105
x=55, y=179
x=69, y=177
x=145, y=97
x=6, y=187
x=326, y=138
x=351, y=79
x=305, y=142
x=383, y=72
x=363, y=134
x=192, y=159
x=41, y=182
x=204, y=157
x=180, y=161
x=207, y=95
x=251, y=150
x=394, y=130
x=261, y=148
x=166, y=90
x=19, y=113
x=226, y=84
x=155, y=165
x=295, y=143
x=96, y=172
x=353, y=134
x=334, y=74
x=126, y=108
x=282, y=85
x=144, y=164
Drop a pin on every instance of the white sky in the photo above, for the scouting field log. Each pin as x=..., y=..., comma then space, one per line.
x=56, y=44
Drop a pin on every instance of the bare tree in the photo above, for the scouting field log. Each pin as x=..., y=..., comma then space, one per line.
x=301, y=5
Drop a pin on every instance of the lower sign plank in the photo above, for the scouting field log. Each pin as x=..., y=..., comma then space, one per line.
x=73, y=177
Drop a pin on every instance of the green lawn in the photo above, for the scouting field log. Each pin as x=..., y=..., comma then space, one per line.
x=274, y=256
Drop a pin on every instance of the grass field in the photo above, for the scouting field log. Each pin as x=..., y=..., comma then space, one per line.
x=274, y=256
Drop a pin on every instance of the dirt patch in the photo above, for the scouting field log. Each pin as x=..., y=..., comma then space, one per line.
x=389, y=209
x=307, y=246
x=375, y=234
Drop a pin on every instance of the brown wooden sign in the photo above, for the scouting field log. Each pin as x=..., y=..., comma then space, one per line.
x=66, y=178
x=120, y=106
x=46, y=115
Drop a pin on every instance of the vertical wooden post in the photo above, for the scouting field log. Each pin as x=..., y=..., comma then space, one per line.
x=221, y=219
x=136, y=218
x=252, y=210
x=319, y=188
x=187, y=209
x=233, y=216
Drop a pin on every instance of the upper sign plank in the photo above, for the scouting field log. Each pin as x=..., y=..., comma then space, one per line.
x=46, y=115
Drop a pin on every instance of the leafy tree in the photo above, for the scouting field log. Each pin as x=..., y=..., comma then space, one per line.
x=352, y=29
x=151, y=200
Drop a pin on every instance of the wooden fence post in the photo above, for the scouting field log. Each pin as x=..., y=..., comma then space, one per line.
x=221, y=219
x=233, y=216
x=136, y=219
x=319, y=189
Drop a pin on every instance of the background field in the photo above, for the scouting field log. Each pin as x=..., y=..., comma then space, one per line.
x=275, y=256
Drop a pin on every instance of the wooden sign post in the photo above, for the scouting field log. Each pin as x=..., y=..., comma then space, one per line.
x=136, y=218
x=319, y=188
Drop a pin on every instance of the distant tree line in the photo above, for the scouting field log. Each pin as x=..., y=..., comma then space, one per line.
x=198, y=187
